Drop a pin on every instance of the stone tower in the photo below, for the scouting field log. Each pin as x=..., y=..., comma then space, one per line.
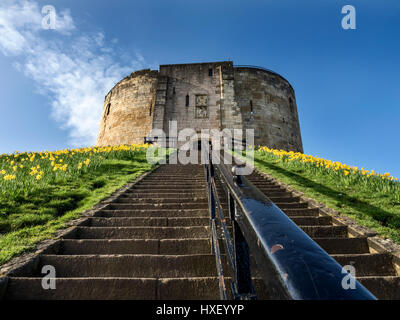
x=215, y=95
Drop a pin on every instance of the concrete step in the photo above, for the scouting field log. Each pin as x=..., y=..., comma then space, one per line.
x=155, y=213
x=165, y=195
x=170, y=183
x=177, y=168
x=177, y=173
x=180, y=173
x=259, y=180
x=384, y=288
x=267, y=191
x=115, y=289
x=135, y=246
x=154, y=206
x=161, y=180
x=142, y=232
x=190, y=178
x=156, y=180
x=148, y=221
x=183, y=191
x=312, y=221
x=161, y=200
x=194, y=288
x=131, y=266
x=278, y=200
x=257, y=177
x=292, y=205
x=170, y=177
x=343, y=245
x=376, y=264
x=197, y=173
x=325, y=231
x=263, y=183
x=157, y=187
x=278, y=194
x=301, y=212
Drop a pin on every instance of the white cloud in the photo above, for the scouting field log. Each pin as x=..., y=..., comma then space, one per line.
x=75, y=70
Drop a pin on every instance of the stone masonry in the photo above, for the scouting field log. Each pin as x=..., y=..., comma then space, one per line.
x=215, y=95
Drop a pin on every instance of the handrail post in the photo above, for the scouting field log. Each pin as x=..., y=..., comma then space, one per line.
x=211, y=197
x=242, y=285
x=212, y=201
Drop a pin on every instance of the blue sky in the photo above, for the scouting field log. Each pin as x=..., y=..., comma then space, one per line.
x=53, y=82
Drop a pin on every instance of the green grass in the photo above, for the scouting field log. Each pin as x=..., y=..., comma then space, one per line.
x=372, y=202
x=32, y=210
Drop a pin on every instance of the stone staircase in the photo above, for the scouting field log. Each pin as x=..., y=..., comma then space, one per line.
x=152, y=243
x=375, y=270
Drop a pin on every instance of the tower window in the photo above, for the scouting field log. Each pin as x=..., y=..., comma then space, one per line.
x=108, y=109
x=187, y=100
x=210, y=72
x=173, y=91
x=251, y=108
x=291, y=106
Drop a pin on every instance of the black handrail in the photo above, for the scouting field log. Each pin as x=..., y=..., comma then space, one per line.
x=214, y=235
x=291, y=264
x=236, y=248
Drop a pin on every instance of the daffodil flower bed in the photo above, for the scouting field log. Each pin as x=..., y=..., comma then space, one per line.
x=369, y=197
x=347, y=175
x=40, y=191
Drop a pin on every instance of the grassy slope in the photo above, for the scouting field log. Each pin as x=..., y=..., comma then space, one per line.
x=38, y=215
x=367, y=208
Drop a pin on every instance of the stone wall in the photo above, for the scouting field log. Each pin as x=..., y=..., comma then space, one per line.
x=192, y=95
x=128, y=110
x=202, y=96
x=268, y=105
x=231, y=116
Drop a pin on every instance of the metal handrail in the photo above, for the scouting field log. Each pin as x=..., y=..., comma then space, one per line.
x=291, y=264
x=235, y=247
x=214, y=235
